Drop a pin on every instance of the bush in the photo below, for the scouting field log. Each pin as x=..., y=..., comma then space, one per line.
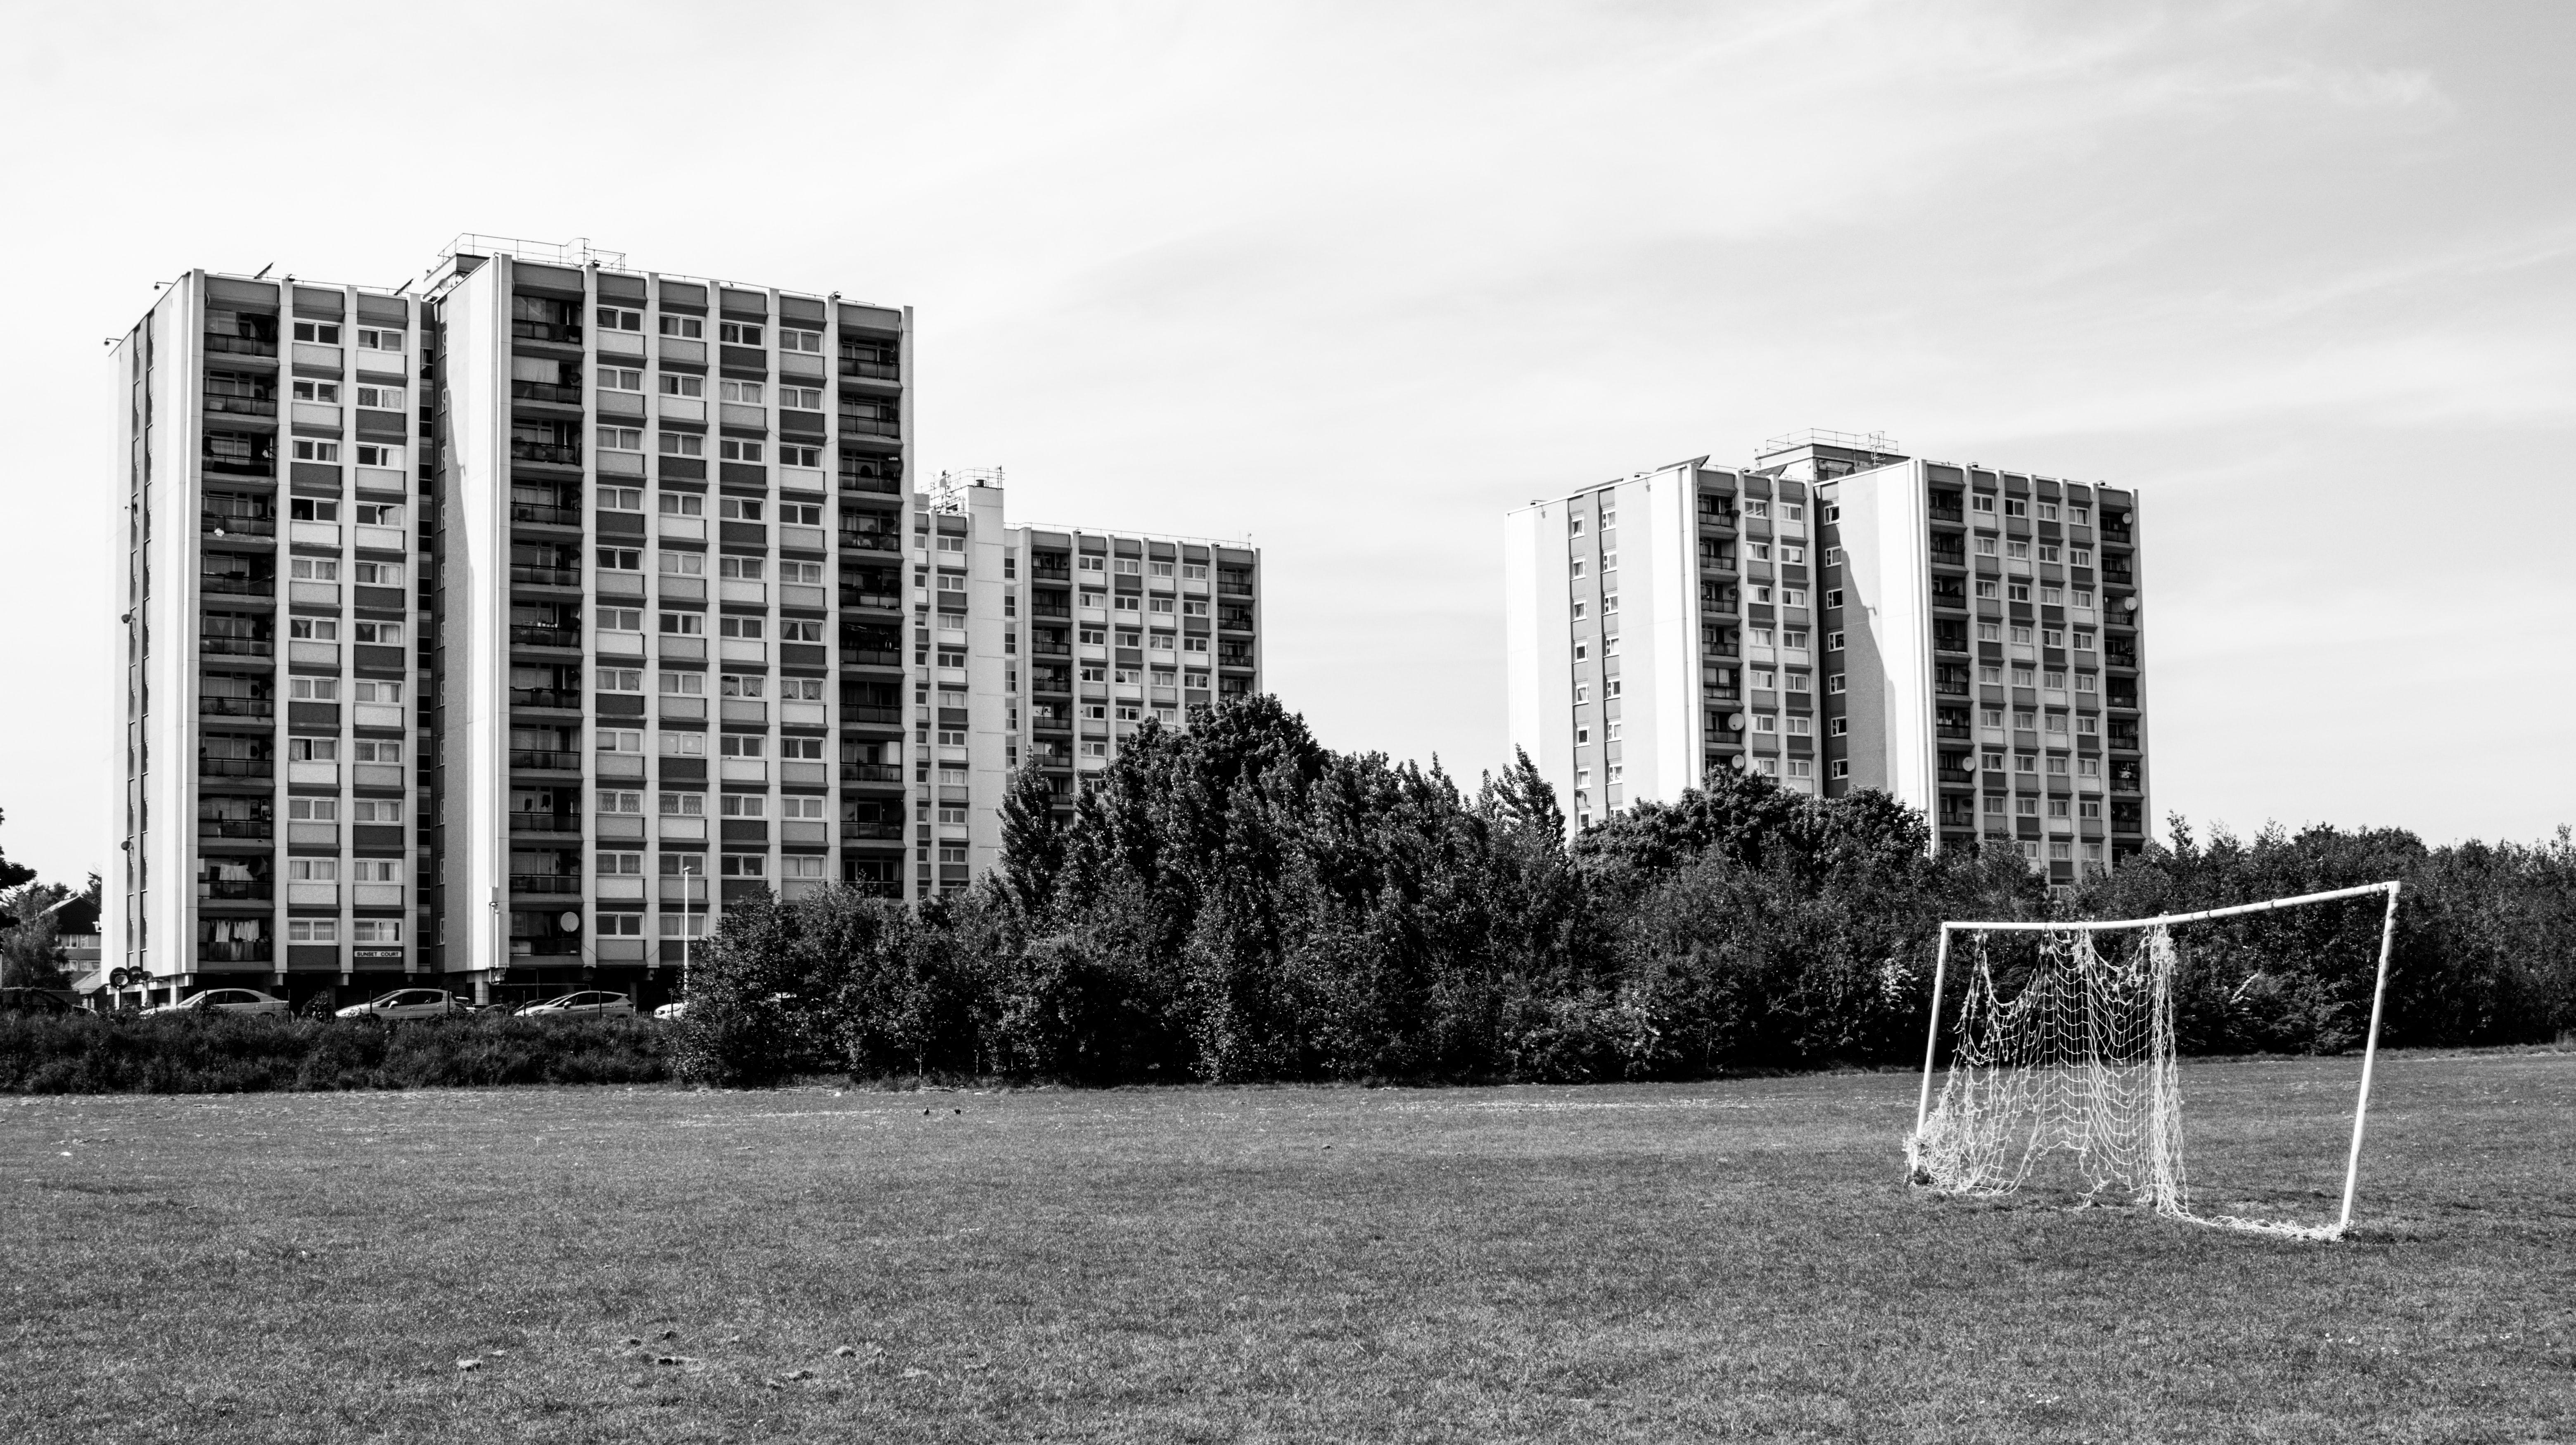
x=231, y=1053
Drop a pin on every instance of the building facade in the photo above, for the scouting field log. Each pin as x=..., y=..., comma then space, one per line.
x=1840, y=616
x=497, y=635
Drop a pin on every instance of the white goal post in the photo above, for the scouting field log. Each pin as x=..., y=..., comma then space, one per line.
x=2081, y=1058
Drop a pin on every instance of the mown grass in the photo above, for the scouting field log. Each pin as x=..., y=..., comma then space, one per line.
x=1726, y=1260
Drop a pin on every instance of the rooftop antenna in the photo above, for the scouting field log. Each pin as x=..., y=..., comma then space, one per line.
x=263, y=271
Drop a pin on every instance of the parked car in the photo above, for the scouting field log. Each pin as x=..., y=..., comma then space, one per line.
x=224, y=1001
x=671, y=1012
x=407, y=1003
x=588, y=1004
x=39, y=1000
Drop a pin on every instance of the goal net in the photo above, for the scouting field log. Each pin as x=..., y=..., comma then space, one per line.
x=2064, y=1055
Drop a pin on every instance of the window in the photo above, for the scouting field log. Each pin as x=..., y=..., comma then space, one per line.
x=313, y=750
x=742, y=684
x=2082, y=557
x=620, y=619
x=693, y=386
x=2083, y=597
x=682, y=504
x=2088, y=726
x=1834, y=684
x=374, y=750
x=2057, y=722
x=743, y=865
x=738, y=333
x=2020, y=635
x=379, y=514
x=2016, y=507
x=620, y=378
x=620, y=559
x=316, y=390
x=2025, y=763
x=380, y=634
x=308, y=509
x=790, y=340
x=313, y=930
x=687, y=328
x=320, y=333
x=2048, y=511
x=1793, y=596
x=684, y=925
x=2021, y=677
x=743, y=745
x=683, y=444
x=683, y=805
x=308, y=449
x=1757, y=551
x=684, y=624
x=2084, y=682
x=2017, y=592
x=621, y=679
x=684, y=745
x=1793, y=511
x=745, y=805
x=371, y=691
x=1797, y=682
x=2088, y=768
x=313, y=629
x=1833, y=556
x=1982, y=502
x=620, y=740
x=1988, y=592
x=1800, y=725
x=2025, y=807
x=2088, y=808
x=733, y=449
x=1765, y=723
x=741, y=569
x=2047, y=552
x=1834, y=597
x=617, y=318
x=800, y=456
x=2052, y=637
x=389, y=398
x=746, y=393
x=1837, y=727
x=313, y=689
x=684, y=564
x=1194, y=572
x=1991, y=676
x=372, y=455
x=739, y=509
x=313, y=810
x=622, y=499
x=1756, y=507
x=1986, y=546
x=2080, y=516
x=752, y=628
x=2017, y=551
x=609, y=800
x=1792, y=556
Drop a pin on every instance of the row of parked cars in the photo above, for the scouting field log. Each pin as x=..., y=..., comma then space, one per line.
x=420, y=1003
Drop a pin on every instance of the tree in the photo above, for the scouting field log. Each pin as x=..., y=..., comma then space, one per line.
x=13, y=874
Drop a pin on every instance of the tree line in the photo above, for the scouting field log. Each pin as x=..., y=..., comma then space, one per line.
x=1237, y=902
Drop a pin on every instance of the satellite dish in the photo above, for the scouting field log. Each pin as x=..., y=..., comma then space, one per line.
x=2129, y=603
x=1735, y=722
x=1741, y=762
x=569, y=921
x=1968, y=764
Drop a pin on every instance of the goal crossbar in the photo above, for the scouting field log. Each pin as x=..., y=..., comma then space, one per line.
x=2370, y=1045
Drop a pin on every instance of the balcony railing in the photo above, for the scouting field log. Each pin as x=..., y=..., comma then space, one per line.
x=236, y=767
x=861, y=424
x=525, y=821
x=857, y=364
x=871, y=541
x=547, y=576
x=545, y=515
x=1234, y=589
x=241, y=405
x=872, y=656
x=861, y=713
x=552, y=884
x=236, y=584
x=237, y=890
x=871, y=773
x=548, y=760
x=236, y=707
x=1050, y=649
x=239, y=829
x=239, y=345
x=237, y=526
x=892, y=831
x=563, y=697
x=242, y=466
x=550, y=453
x=240, y=950
x=855, y=482
x=566, y=332
x=546, y=391
x=1042, y=610
x=853, y=597
x=526, y=636
x=238, y=646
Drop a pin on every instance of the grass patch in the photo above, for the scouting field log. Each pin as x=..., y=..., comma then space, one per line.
x=1644, y=1263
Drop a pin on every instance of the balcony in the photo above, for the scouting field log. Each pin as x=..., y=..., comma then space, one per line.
x=871, y=541
x=872, y=656
x=545, y=391
x=558, y=885
x=236, y=767
x=240, y=950
x=235, y=584
x=241, y=405
x=1050, y=649
x=528, y=636
x=853, y=597
x=878, y=832
x=544, y=760
x=546, y=576
x=1234, y=589
x=256, y=707
x=863, y=363
x=564, y=333
x=545, y=453
x=543, y=515
x=857, y=482
x=525, y=821
x=240, y=345
x=554, y=697
x=236, y=647
x=872, y=772
x=864, y=714
x=856, y=423
x=236, y=890
x=235, y=525
x=239, y=830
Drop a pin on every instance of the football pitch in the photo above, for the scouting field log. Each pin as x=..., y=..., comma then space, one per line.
x=1738, y=1259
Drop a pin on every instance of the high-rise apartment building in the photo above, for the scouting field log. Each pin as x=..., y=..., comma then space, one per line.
x=1840, y=616
x=496, y=635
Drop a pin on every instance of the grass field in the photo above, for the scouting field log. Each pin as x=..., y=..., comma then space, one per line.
x=1727, y=1260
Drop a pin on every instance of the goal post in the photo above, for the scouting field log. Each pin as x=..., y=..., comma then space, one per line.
x=2082, y=1058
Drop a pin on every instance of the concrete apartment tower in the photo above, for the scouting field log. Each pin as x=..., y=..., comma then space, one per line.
x=496, y=635
x=1841, y=616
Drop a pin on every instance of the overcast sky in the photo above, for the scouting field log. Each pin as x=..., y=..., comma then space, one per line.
x=1355, y=279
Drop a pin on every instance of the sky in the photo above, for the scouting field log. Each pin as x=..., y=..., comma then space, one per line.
x=1352, y=280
